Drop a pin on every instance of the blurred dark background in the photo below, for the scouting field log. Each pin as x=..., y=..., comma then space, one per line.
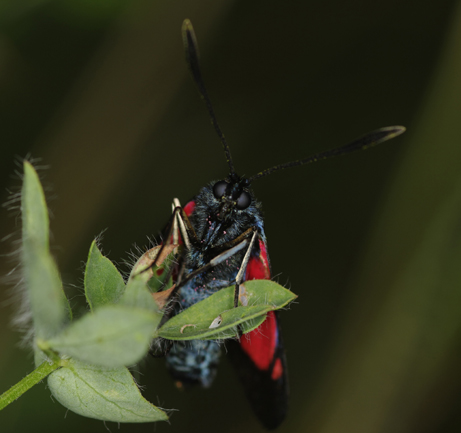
x=99, y=92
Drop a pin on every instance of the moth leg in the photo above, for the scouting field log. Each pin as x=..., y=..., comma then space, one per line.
x=179, y=218
x=169, y=233
x=245, y=235
x=241, y=273
x=185, y=227
x=175, y=236
x=220, y=258
x=172, y=232
x=179, y=224
x=174, y=205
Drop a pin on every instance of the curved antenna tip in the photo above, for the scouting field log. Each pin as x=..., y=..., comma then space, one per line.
x=189, y=39
x=391, y=132
x=187, y=26
x=382, y=134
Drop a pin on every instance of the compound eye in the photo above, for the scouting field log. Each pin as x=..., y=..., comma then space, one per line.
x=219, y=189
x=243, y=201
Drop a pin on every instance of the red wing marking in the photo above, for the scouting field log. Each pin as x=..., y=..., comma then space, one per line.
x=189, y=208
x=277, y=371
x=258, y=266
x=259, y=357
x=260, y=344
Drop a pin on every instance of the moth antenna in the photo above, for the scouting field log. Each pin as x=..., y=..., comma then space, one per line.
x=192, y=56
x=368, y=140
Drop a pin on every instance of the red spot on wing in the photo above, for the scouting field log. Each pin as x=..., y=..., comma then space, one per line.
x=258, y=266
x=260, y=344
x=189, y=208
x=277, y=370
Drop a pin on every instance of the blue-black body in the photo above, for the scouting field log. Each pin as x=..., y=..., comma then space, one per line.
x=196, y=361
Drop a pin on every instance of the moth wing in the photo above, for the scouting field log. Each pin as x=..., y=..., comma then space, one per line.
x=259, y=357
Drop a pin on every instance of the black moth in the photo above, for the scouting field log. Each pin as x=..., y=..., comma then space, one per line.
x=222, y=230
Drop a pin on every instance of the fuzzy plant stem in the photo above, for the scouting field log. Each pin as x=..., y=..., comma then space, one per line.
x=28, y=382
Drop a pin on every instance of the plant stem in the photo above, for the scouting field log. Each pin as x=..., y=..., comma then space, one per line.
x=43, y=370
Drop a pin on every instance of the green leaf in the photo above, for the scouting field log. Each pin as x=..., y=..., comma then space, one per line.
x=112, y=336
x=249, y=318
x=103, y=283
x=194, y=322
x=137, y=294
x=50, y=309
x=102, y=393
x=35, y=222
